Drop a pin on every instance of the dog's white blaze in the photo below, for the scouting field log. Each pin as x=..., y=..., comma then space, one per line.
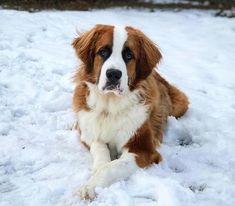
x=115, y=61
x=112, y=120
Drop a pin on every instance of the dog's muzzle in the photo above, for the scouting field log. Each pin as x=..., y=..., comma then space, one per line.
x=113, y=81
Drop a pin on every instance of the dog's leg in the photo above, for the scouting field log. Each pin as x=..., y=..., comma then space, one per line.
x=100, y=153
x=107, y=174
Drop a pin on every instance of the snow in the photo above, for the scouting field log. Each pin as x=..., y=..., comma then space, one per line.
x=41, y=160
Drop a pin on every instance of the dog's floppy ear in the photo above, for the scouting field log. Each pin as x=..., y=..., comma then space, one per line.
x=85, y=47
x=149, y=56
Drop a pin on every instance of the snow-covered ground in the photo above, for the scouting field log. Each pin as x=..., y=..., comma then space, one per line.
x=41, y=160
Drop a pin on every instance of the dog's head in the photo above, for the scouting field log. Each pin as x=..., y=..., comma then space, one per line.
x=116, y=58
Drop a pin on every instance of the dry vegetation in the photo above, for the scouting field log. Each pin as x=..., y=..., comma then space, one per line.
x=36, y=5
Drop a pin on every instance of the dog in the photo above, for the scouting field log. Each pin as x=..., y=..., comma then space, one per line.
x=121, y=102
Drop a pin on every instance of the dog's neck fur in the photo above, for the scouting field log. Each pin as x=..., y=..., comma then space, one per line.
x=112, y=119
x=110, y=103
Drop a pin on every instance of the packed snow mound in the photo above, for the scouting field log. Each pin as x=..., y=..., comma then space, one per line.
x=41, y=160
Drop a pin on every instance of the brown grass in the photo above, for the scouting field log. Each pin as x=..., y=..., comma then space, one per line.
x=37, y=5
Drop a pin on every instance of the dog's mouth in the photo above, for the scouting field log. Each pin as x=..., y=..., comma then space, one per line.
x=113, y=88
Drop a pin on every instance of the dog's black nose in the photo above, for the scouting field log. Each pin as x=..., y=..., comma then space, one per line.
x=113, y=75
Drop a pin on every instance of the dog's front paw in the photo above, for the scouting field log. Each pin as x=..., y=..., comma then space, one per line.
x=87, y=192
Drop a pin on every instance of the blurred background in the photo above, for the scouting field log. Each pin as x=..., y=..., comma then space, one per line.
x=223, y=7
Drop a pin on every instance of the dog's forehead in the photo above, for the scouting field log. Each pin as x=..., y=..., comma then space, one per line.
x=119, y=35
x=115, y=36
x=119, y=38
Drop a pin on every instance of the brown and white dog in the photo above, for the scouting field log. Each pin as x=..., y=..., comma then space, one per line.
x=121, y=102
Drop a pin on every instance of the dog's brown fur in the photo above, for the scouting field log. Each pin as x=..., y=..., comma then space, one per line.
x=163, y=100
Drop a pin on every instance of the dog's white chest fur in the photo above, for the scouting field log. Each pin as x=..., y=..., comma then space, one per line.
x=112, y=120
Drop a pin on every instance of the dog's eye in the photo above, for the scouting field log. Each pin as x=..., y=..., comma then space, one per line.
x=105, y=52
x=127, y=54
